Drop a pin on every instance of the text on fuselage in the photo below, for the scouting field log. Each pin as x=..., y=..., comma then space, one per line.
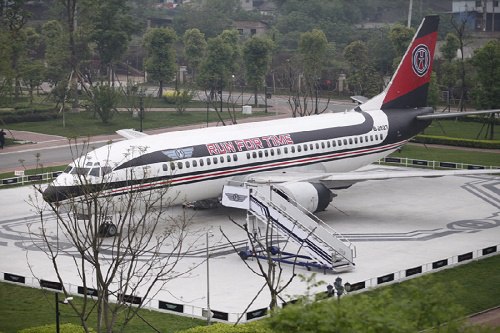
x=235, y=146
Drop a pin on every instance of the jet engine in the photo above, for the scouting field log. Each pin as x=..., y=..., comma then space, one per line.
x=314, y=197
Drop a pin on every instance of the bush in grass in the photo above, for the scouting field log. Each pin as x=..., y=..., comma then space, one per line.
x=179, y=98
x=64, y=328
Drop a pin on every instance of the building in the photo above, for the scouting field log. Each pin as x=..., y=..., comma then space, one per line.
x=481, y=15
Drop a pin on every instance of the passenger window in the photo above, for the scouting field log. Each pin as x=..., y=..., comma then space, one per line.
x=345, y=142
x=272, y=152
x=323, y=145
x=305, y=147
x=235, y=157
x=228, y=158
x=339, y=142
x=179, y=165
x=292, y=149
x=195, y=163
x=215, y=160
x=201, y=162
x=172, y=166
x=361, y=139
x=350, y=141
x=299, y=149
x=248, y=156
x=371, y=137
x=208, y=161
x=260, y=153
x=266, y=153
x=334, y=143
x=188, y=165
x=356, y=140
x=254, y=154
x=221, y=159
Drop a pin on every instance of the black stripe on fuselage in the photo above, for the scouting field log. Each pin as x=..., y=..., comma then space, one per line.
x=200, y=151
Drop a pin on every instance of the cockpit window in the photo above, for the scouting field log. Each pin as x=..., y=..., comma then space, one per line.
x=68, y=169
x=95, y=172
x=80, y=171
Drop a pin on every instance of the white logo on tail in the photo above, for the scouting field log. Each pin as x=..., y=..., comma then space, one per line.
x=421, y=60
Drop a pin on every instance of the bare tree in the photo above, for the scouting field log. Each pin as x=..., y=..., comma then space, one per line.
x=263, y=248
x=303, y=97
x=139, y=259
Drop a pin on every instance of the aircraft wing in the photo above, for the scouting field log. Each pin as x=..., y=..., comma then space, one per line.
x=346, y=179
x=129, y=133
x=444, y=115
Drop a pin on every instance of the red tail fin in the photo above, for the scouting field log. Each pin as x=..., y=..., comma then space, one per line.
x=409, y=85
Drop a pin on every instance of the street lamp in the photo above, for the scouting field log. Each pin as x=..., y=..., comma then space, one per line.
x=209, y=312
x=66, y=301
x=141, y=107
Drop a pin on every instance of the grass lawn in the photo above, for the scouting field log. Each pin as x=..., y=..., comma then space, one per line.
x=26, y=307
x=475, y=288
x=449, y=155
x=461, y=129
x=82, y=124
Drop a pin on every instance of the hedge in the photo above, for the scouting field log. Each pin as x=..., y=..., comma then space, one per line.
x=443, y=140
x=64, y=328
x=253, y=327
x=27, y=114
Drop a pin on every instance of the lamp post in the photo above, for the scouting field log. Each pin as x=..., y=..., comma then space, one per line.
x=141, y=108
x=209, y=312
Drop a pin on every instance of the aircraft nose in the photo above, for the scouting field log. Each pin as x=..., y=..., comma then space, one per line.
x=53, y=194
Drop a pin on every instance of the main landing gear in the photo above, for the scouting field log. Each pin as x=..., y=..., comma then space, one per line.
x=106, y=229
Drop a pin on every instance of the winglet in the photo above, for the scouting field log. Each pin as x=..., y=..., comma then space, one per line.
x=129, y=133
x=409, y=85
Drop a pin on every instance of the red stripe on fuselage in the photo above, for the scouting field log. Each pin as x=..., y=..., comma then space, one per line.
x=256, y=168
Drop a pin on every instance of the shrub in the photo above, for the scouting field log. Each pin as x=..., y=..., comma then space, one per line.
x=178, y=96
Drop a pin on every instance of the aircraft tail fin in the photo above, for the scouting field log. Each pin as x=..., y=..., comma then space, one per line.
x=409, y=85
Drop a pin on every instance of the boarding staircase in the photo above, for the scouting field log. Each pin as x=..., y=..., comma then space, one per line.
x=326, y=249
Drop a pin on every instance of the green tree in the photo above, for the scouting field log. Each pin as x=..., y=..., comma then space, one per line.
x=363, y=79
x=209, y=16
x=195, y=47
x=450, y=47
x=113, y=27
x=400, y=37
x=160, y=61
x=257, y=53
x=313, y=47
x=13, y=21
x=221, y=61
x=486, y=60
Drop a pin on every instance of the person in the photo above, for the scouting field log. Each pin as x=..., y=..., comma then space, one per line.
x=2, y=138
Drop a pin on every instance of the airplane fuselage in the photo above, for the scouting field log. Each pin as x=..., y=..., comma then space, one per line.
x=195, y=164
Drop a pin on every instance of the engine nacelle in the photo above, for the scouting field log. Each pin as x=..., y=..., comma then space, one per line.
x=314, y=197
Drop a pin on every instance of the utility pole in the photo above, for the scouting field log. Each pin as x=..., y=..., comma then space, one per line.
x=410, y=9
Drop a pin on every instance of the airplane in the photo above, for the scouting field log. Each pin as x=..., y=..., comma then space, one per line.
x=308, y=157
